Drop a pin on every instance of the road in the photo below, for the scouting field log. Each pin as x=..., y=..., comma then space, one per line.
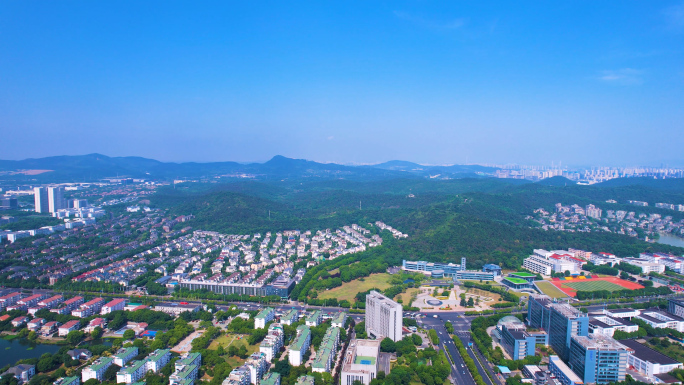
x=461, y=326
x=459, y=372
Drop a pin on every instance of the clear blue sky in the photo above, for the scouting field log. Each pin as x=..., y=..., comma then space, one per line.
x=578, y=82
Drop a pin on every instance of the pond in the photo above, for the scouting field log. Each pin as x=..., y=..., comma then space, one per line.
x=17, y=349
x=672, y=240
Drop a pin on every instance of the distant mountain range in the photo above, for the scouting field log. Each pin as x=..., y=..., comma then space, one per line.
x=94, y=167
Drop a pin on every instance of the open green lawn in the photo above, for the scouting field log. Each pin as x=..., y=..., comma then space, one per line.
x=349, y=290
x=524, y=274
x=405, y=297
x=227, y=340
x=593, y=285
x=550, y=290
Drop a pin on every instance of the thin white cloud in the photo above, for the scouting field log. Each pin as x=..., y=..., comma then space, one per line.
x=430, y=23
x=623, y=77
x=674, y=17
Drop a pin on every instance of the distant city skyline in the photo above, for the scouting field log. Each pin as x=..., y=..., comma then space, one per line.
x=582, y=83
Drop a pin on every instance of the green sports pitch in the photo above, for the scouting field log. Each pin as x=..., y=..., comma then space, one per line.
x=592, y=286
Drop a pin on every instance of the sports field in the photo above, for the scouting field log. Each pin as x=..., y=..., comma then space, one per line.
x=594, y=284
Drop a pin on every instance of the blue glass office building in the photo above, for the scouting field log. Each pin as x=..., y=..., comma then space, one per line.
x=518, y=343
x=598, y=359
x=564, y=322
x=539, y=312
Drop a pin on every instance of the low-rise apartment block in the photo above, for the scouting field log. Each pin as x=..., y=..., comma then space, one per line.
x=300, y=345
x=327, y=351
x=265, y=316
x=97, y=369
x=124, y=355
x=113, y=305
x=68, y=327
x=257, y=365
x=237, y=376
x=89, y=308
x=158, y=359
x=314, y=319
x=271, y=378
x=273, y=341
x=131, y=373
x=339, y=320
x=291, y=317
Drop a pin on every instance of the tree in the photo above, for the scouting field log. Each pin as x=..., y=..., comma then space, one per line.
x=471, y=303
x=283, y=367
x=97, y=333
x=388, y=346
x=129, y=334
x=8, y=379
x=233, y=351
x=110, y=373
x=74, y=337
x=624, y=275
x=47, y=363
x=242, y=352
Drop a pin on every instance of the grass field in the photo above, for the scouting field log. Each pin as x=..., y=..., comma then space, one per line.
x=593, y=286
x=550, y=290
x=349, y=290
x=406, y=297
x=227, y=340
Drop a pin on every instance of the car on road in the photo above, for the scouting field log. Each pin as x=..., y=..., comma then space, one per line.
x=434, y=316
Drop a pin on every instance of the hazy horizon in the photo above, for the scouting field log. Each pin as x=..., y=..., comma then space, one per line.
x=582, y=83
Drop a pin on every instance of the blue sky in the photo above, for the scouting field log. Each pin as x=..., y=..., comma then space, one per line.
x=577, y=82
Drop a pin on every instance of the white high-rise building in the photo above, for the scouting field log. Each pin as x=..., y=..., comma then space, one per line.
x=383, y=317
x=40, y=197
x=56, y=199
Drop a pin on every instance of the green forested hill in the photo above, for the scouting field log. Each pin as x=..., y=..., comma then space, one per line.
x=481, y=219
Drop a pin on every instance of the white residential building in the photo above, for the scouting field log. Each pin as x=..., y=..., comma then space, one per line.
x=237, y=376
x=97, y=369
x=272, y=342
x=157, y=360
x=300, y=345
x=265, y=316
x=257, y=365
x=384, y=317
x=124, y=355
x=131, y=373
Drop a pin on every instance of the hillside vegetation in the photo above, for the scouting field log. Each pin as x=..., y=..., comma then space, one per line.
x=481, y=219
